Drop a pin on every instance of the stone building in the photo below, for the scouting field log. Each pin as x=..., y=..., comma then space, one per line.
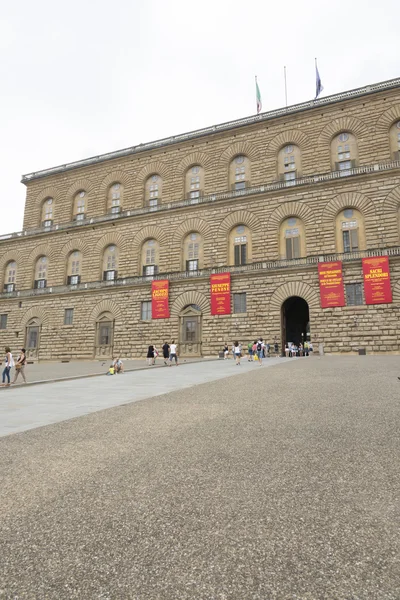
x=265, y=198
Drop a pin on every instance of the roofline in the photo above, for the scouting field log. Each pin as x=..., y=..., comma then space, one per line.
x=295, y=108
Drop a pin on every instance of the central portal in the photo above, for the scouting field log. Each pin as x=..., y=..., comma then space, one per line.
x=190, y=331
x=295, y=321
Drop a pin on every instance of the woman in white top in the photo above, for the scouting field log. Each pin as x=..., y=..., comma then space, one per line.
x=9, y=362
x=238, y=352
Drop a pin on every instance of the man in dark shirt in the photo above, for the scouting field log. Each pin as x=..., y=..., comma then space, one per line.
x=165, y=350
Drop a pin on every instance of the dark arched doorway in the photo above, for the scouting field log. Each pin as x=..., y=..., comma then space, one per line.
x=295, y=321
x=190, y=331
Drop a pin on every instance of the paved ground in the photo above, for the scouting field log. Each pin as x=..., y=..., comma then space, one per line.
x=50, y=371
x=26, y=407
x=277, y=483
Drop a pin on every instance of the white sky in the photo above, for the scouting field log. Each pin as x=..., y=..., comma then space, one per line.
x=81, y=78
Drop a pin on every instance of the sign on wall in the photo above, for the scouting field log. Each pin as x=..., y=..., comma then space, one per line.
x=220, y=294
x=331, y=286
x=159, y=299
x=376, y=272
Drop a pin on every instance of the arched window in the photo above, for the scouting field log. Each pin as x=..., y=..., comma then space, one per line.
x=239, y=173
x=10, y=276
x=289, y=163
x=80, y=206
x=194, y=183
x=74, y=268
x=150, y=257
x=47, y=212
x=193, y=252
x=153, y=191
x=292, y=238
x=395, y=140
x=240, y=247
x=104, y=335
x=41, y=272
x=114, y=198
x=344, y=152
x=350, y=232
x=110, y=263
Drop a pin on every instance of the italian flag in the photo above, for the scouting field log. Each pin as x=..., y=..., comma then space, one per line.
x=258, y=98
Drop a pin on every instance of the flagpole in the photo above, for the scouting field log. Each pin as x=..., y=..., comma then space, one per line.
x=284, y=72
x=255, y=76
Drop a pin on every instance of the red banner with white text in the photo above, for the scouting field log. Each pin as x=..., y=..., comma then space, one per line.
x=159, y=299
x=331, y=286
x=220, y=294
x=377, y=288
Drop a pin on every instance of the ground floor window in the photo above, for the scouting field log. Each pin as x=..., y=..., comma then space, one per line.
x=239, y=303
x=354, y=294
x=145, y=314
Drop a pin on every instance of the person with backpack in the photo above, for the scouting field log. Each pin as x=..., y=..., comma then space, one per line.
x=260, y=350
x=20, y=366
x=165, y=350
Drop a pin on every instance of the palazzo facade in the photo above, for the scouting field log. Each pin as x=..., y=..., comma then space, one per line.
x=265, y=198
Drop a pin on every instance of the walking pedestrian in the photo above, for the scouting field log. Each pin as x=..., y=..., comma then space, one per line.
x=260, y=350
x=150, y=355
x=20, y=366
x=237, y=352
x=250, y=351
x=8, y=362
x=174, y=353
x=165, y=350
x=226, y=351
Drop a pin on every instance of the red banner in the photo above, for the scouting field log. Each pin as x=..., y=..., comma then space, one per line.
x=159, y=299
x=376, y=272
x=331, y=287
x=220, y=294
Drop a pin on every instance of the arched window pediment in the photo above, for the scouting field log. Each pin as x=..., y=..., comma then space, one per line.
x=350, y=231
x=239, y=172
x=289, y=162
x=115, y=197
x=344, y=151
x=153, y=191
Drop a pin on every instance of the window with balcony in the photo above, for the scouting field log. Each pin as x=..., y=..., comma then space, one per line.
x=74, y=268
x=239, y=173
x=110, y=263
x=114, y=198
x=150, y=257
x=350, y=232
x=41, y=273
x=153, y=191
x=194, y=184
x=10, y=276
x=395, y=140
x=344, y=152
x=192, y=252
x=289, y=163
x=292, y=239
x=47, y=212
x=240, y=248
x=80, y=206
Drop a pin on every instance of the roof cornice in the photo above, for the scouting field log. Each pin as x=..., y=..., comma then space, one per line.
x=175, y=139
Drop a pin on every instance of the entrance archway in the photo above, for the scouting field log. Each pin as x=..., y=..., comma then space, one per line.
x=190, y=331
x=295, y=321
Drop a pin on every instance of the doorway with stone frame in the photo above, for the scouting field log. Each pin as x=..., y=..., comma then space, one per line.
x=190, y=321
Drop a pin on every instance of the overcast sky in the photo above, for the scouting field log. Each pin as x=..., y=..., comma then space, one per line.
x=81, y=78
